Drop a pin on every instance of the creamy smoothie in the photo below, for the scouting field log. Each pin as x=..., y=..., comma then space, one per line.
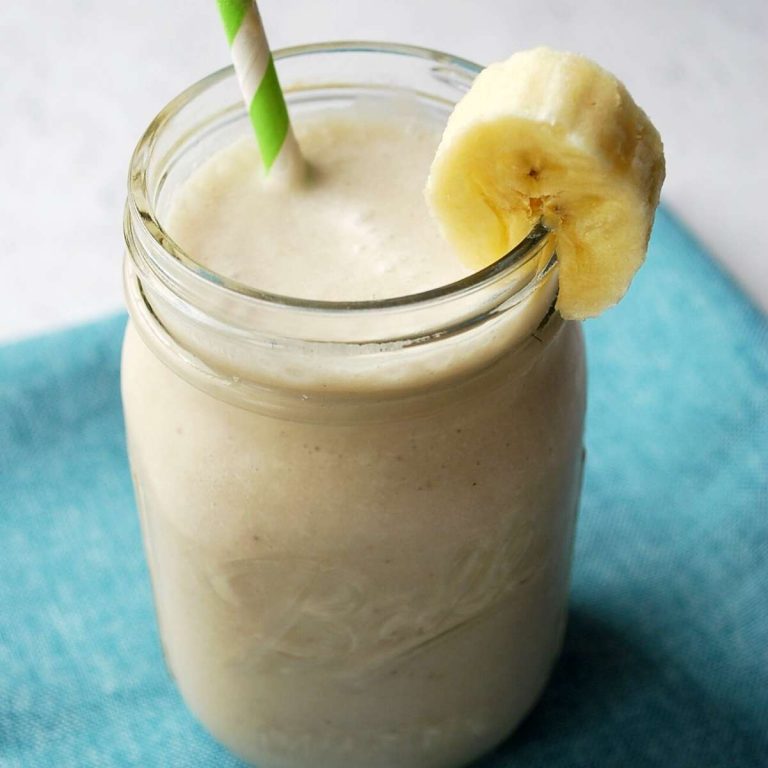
x=359, y=553
x=339, y=592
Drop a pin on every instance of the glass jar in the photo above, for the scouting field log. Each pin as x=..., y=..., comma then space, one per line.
x=358, y=517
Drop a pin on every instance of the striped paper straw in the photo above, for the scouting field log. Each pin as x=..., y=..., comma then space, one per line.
x=263, y=96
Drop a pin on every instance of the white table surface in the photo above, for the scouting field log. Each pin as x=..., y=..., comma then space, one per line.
x=81, y=83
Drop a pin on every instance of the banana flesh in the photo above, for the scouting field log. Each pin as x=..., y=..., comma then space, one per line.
x=551, y=136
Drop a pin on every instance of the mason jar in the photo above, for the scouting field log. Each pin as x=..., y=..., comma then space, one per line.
x=358, y=516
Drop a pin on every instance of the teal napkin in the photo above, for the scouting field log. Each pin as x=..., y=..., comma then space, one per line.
x=666, y=656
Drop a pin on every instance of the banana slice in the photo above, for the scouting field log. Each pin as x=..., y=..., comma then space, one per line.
x=551, y=136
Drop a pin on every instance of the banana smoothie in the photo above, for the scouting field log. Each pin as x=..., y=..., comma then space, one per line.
x=357, y=457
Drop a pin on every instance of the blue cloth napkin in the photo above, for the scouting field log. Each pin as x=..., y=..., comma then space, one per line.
x=666, y=657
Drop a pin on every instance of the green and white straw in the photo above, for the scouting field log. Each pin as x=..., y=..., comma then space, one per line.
x=263, y=96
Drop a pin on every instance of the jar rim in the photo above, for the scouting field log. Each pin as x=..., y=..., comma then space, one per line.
x=168, y=256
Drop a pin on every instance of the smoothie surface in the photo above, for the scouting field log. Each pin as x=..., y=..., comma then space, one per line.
x=359, y=228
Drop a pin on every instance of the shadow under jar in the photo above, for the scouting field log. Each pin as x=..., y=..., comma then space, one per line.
x=358, y=517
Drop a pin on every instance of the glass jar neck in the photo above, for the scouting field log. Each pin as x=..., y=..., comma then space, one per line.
x=237, y=341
